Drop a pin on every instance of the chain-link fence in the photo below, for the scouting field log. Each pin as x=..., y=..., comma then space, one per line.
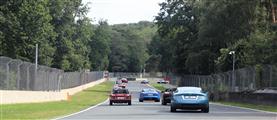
x=19, y=75
x=245, y=79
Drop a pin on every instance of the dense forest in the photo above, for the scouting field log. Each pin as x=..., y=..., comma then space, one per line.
x=67, y=38
x=187, y=36
x=196, y=36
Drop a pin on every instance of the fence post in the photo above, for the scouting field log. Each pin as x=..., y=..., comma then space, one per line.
x=28, y=77
x=36, y=63
x=270, y=76
x=254, y=79
x=8, y=74
x=48, y=80
x=59, y=81
x=18, y=76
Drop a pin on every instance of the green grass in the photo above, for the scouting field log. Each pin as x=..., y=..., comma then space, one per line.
x=158, y=86
x=48, y=110
x=253, y=106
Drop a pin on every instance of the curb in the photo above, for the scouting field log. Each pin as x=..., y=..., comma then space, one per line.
x=82, y=110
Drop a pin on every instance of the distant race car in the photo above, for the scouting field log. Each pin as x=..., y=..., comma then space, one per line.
x=149, y=94
x=118, y=82
x=189, y=98
x=162, y=82
x=122, y=85
x=166, y=95
x=120, y=95
x=144, y=82
x=124, y=80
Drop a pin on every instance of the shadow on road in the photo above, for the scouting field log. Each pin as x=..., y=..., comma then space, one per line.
x=117, y=104
x=187, y=111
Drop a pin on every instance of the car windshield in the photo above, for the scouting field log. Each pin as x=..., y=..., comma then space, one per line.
x=121, y=91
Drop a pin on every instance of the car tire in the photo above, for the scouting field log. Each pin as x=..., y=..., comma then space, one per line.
x=130, y=103
x=205, y=110
x=140, y=100
x=157, y=100
x=163, y=102
x=111, y=103
x=172, y=109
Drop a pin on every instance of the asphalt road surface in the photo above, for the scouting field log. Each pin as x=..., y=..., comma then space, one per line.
x=155, y=111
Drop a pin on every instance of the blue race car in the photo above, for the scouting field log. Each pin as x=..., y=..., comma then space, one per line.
x=189, y=98
x=149, y=94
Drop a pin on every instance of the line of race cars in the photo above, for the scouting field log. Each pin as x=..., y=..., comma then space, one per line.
x=119, y=93
x=179, y=98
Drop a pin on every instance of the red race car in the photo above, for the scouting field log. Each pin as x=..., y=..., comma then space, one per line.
x=166, y=95
x=120, y=95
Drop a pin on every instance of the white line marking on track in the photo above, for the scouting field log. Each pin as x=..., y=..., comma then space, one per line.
x=82, y=110
x=153, y=87
x=234, y=106
x=245, y=108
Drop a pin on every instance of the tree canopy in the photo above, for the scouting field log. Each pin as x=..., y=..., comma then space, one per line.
x=67, y=38
x=196, y=36
x=187, y=37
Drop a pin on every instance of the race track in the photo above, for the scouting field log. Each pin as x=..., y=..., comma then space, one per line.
x=155, y=111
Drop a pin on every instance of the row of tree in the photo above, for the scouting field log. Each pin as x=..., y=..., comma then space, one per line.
x=196, y=36
x=67, y=38
x=129, y=46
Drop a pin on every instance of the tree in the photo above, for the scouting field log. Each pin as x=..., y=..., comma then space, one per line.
x=177, y=25
x=27, y=23
x=68, y=40
x=100, y=48
x=128, y=48
x=198, y=35
x=69, y=55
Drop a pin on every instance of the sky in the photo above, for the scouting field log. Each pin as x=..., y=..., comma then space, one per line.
x=122, y=11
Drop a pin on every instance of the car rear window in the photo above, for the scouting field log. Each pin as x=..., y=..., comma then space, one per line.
x=189, y=89
x=148, y=90
x=121, y=91
x=169, y=90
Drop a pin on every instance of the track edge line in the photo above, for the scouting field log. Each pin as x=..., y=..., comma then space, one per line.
x=81, y=110
x=257, y=110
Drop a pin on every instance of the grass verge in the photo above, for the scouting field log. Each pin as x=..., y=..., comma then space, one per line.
x=48, y=110
x=158, y=86
x=252, y=106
